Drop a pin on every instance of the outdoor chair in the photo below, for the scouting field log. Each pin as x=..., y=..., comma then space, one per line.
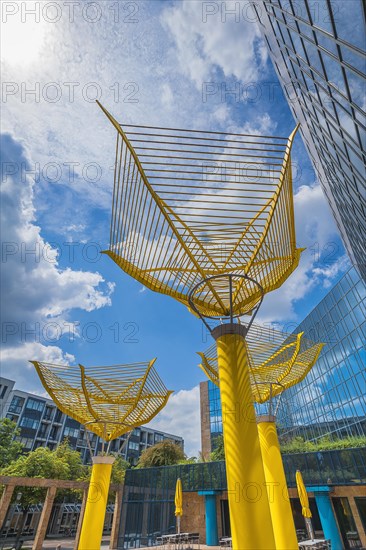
x=193, y=538
x=301, y=534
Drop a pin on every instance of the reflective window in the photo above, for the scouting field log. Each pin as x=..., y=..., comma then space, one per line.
x=16, y=404
x=337, y=41
x=35, y=404
x=331, y=399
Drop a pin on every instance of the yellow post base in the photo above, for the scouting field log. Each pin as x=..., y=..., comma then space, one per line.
x=96, y=505
x=250, y=518
x=279, y=502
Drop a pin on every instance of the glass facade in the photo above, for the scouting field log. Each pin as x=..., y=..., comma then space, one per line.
x=215, y=418
x=148, y=493
x=331, y=400
x=318, y=50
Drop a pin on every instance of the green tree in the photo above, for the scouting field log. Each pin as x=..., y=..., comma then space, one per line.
x=72, y=458
x=10, y=450
x=219, y=452
x=41, y=463
x=162, y=454
x=298, y=445
x=119, y=469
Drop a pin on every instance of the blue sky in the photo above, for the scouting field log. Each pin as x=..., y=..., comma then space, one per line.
x=155, y=63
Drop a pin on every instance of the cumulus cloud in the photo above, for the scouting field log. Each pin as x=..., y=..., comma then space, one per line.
x=16, y=365
x=208, y=43
x=181, y=416
x=320, y=263
x=34, y=288
x=48, y=354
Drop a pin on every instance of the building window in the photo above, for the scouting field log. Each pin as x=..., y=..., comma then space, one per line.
x=54, y=433
x=27, y=442
x=43, y=431
x=35, y=405
x=48, y=414
x=16, y=404
x=29, y=423
x=3, y=391
x=58, y=416
x=71, y=432
x=361, y=507
x=133, y=446
x=346, y=522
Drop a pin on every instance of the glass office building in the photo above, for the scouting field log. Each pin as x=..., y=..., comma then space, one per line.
x=331, y=400
x=318, y=51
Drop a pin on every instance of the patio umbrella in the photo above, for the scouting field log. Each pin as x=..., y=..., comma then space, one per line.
x=178, y=499
x=304, y=500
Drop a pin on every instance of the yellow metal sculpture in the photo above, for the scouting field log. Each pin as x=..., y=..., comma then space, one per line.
x=208, y=218
x=276, y=360
x=109, y=401
x=189, y=204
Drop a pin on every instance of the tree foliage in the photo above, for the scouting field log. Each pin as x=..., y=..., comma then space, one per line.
x=164, y=453
x=298, y=445
x=62, y=463
x=10, y=450
x=219, y=452
x=119, y=469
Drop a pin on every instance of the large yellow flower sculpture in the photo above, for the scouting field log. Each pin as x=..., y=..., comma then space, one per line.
x=109, y=401
x=277, y=361
x=191, y=204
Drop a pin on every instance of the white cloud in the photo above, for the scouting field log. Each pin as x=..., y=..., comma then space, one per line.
x=206, y=44
x=35, y=290
x=16, y=363
x=166, y=95
x=36, y=351
x=320, y=262
x=222, y=113
x=181, y=416
x=262, y=125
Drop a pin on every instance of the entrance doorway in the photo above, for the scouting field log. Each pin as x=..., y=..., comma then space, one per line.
x=225, y=518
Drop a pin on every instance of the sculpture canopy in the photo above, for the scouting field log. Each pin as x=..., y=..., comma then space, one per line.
x=277, y=361
x=190, y=204
x=109, y=401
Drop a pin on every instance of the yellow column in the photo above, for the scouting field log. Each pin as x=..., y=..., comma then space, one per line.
x=250, y=518
x=279, y=501
x=96, y=505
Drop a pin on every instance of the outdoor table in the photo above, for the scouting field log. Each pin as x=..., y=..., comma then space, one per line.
x=316, y=543
x=174, y=539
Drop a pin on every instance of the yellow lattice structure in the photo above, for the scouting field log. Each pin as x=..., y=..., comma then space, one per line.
x=189, y=204
x=276, y=360
x=109, y=401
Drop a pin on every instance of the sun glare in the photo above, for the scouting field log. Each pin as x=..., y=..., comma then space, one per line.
x=22, y=38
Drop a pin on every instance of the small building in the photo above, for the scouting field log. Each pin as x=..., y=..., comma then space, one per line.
x=42, y=424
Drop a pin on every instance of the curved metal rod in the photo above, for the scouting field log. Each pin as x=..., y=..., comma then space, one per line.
x=231, y=314
x=271, y=396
